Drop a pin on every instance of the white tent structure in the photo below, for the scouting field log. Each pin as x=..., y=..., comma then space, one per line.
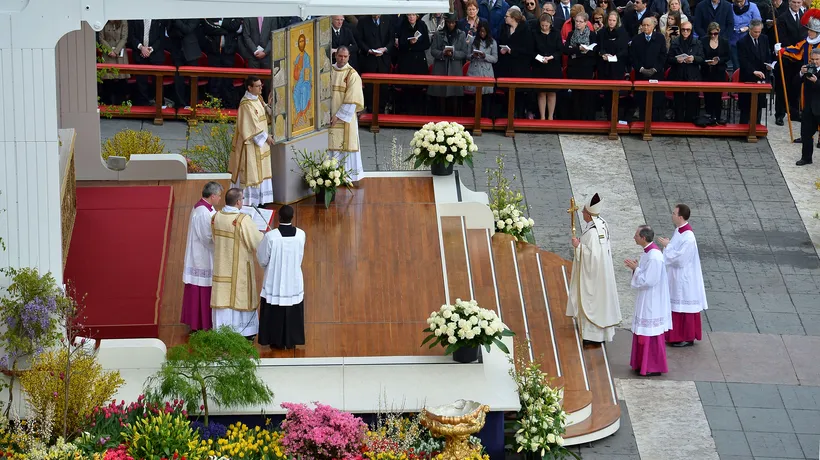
x=45, y=87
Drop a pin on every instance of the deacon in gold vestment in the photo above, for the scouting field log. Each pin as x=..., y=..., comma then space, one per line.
x=250, y=163
x=234, y=296
x=348, y=99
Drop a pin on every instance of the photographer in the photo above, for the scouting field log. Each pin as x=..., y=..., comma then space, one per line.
x=810, y=88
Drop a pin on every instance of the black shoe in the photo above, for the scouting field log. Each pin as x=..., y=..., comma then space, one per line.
x=590, y=343
x=778, y=121
x=798, y=140
x=722, y=122
x=681, y=344
x=653, y=374
x=802, y=162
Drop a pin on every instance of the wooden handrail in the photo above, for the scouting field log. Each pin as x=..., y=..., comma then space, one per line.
x=378, y=79
x=707, y=87
x=561, y=84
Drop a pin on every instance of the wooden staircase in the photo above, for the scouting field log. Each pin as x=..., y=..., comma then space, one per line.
x=528, y=288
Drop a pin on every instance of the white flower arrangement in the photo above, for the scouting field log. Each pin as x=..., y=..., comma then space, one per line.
x=465, y=324
x=443, y=143
x=506, y=205
x=541, y=421
x=322, y=172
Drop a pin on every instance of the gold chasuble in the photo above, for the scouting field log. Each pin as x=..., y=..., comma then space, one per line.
x=347, y=89
x=234, y=282
x=249, y=162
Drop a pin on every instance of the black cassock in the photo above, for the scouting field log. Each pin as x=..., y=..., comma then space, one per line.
x=282, y=326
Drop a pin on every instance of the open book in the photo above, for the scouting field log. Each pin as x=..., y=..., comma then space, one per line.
x=589, y=47
x=415, y=35
x=261, y=217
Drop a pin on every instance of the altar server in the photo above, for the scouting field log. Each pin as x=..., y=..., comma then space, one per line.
x=347, y=100
x=282, y=308
x=199, y=261
x=233, y=300
x=686, y=289
x=653, y=315
x=593, y=297
x=250, y=163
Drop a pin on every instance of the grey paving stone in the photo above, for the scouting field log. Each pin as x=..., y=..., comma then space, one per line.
x=715, y=394
x=764, y=420
x=170, y=130
x=753, y=395
x=778, y=323
x=721, y=282
x=809, y=443
x=771, y=282
x=720, y=175
x=753, y=263
x=802, y=284
x=811, y=323
x=797, y=262
x=764, y=177
x=805, y=421
x=769, y=303
x=775, y=445
x=731, y=443
x=722, y=418
x=800, y=397
x=768, y=192
x=731, y=321
x=736, y=457
x=728, y=301
x=726, y=193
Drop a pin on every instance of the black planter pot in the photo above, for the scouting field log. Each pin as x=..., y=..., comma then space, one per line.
x=466, y=355
x=320, y=196
x=438, y=169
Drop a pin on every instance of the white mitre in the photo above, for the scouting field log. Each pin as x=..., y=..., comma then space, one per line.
x=593, y=205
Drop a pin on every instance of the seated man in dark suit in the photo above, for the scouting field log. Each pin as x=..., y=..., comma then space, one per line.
x=755, y=57
x=221, y=40
x=808, y=77
x=185, y=51
x=343, y=35
x=147, y=38
x=647, y=52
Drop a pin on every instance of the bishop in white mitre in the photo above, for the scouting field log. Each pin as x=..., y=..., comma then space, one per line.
x=686, y=289
x=593, y=296
x=347, y=100
x=282, y=311
x=197, y=272
x=653, y=312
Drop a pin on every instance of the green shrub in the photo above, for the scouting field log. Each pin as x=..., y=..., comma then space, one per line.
x=129, y=142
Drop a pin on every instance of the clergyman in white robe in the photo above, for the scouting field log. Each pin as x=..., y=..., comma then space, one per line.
x=653, y=312
x=282, y=308
x=593, y=295
x=197, y=272
x=347, y=100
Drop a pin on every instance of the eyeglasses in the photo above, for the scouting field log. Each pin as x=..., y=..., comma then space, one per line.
x=530, y=4
x=714, y=34
x=686, y=30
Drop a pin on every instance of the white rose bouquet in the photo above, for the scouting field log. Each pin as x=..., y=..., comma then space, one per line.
x=442, y=143
x=541, y=422
x=323, y=173
x=465, y=324
x=506, y=205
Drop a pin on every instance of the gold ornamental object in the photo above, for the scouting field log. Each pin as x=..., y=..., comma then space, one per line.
x=455, y=422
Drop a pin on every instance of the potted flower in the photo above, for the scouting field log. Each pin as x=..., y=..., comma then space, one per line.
x=323, y=174
x=506, y=205
x=440, y=146
x=463, y=327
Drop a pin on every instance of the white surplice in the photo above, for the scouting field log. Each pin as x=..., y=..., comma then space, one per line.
x=281, y=257
x=686, y=289
x=593, y=296
x=199, y=252
x=653, y=312
x=352, y=160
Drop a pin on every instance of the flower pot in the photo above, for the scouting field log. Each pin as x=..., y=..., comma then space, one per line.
x=439, y=169
x=466, y=355
x=320, y=197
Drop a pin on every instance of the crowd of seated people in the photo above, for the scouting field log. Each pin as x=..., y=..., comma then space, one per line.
x=649, y=40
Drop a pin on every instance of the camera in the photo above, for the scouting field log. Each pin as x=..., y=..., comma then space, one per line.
x=811, y=70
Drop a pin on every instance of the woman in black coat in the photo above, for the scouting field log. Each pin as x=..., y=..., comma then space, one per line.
x=613, y=49
x=581, y=65
x=515, y=49
x=687, y=105
x=716, y=56
x=547, y=62
x=412, y=59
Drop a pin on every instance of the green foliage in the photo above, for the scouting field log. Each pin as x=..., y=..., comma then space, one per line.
x=160, y=436
x=211, y=139
x=215, y=365
x=129, y=142
x=506, y=204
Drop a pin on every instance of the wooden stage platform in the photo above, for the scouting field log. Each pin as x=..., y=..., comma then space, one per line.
x=382, y=257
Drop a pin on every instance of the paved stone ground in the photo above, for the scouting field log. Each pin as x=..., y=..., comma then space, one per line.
x=762, y=422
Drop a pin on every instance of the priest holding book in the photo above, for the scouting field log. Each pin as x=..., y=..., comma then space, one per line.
x=236, y=237
x=198, y=268
x=653, y=315
x=686, y=289
x=282, y=308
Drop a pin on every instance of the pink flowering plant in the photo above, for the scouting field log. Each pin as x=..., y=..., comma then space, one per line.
x=323, y=433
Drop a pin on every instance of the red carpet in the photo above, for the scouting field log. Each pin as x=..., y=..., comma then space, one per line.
x=117, y=258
